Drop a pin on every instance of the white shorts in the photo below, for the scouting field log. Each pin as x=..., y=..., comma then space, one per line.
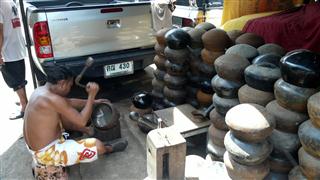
x=63, y=152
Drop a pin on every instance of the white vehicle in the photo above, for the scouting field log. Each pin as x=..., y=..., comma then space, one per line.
x=116, y=34
x=192, y=12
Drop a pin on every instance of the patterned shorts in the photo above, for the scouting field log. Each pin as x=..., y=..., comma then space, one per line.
x=63, y=152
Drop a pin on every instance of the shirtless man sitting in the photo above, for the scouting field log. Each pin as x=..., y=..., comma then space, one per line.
x=49, y=112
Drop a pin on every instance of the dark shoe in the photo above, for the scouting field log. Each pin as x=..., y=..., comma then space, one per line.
x=118, y=144
x=16, y=115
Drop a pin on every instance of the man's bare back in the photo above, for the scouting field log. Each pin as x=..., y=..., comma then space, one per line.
x=42, y=122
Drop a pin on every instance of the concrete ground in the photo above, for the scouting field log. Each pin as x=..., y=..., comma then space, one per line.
x=15, y=160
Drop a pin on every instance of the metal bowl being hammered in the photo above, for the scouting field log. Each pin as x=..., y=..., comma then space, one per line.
x=104, y=116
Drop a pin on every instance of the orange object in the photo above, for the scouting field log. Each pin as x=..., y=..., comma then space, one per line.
x=237, y=8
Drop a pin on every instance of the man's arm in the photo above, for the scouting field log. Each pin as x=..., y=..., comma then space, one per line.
x=80, y=103
x=74, y=119
x=77, y=103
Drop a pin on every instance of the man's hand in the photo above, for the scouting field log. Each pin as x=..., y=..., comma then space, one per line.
x=92, y=88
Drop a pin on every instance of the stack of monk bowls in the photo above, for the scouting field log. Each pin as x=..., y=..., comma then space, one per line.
x=215, y=42
x=159, y=60
x=177, y=55
x=289, y=109
x=301, y=70
x=246, y=143
x=309, y=134
x=206, y=71
x=261, y=75
x=260, y=78
x=194, y=75
x=230, y=69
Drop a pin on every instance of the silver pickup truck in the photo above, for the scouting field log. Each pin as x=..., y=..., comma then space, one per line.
x=117, y=34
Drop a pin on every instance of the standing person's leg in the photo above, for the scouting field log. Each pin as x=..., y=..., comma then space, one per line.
x=22, y=98
x=14, y=75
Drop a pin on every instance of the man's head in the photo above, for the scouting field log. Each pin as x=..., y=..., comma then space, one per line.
x=59, y=76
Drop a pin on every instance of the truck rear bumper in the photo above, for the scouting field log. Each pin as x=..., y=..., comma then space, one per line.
x=141, y=58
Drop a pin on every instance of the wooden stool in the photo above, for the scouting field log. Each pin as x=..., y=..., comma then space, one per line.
x=166, y=153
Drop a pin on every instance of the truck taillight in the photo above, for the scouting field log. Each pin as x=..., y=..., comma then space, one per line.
x=187, y=22
x=42, y=40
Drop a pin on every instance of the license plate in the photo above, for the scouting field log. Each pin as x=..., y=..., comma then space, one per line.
x=113, y=70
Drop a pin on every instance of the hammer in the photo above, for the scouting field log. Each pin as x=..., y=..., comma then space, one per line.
x=88, y=63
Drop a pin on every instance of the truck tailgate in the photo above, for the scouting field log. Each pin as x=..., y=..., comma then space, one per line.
x=83, y=31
